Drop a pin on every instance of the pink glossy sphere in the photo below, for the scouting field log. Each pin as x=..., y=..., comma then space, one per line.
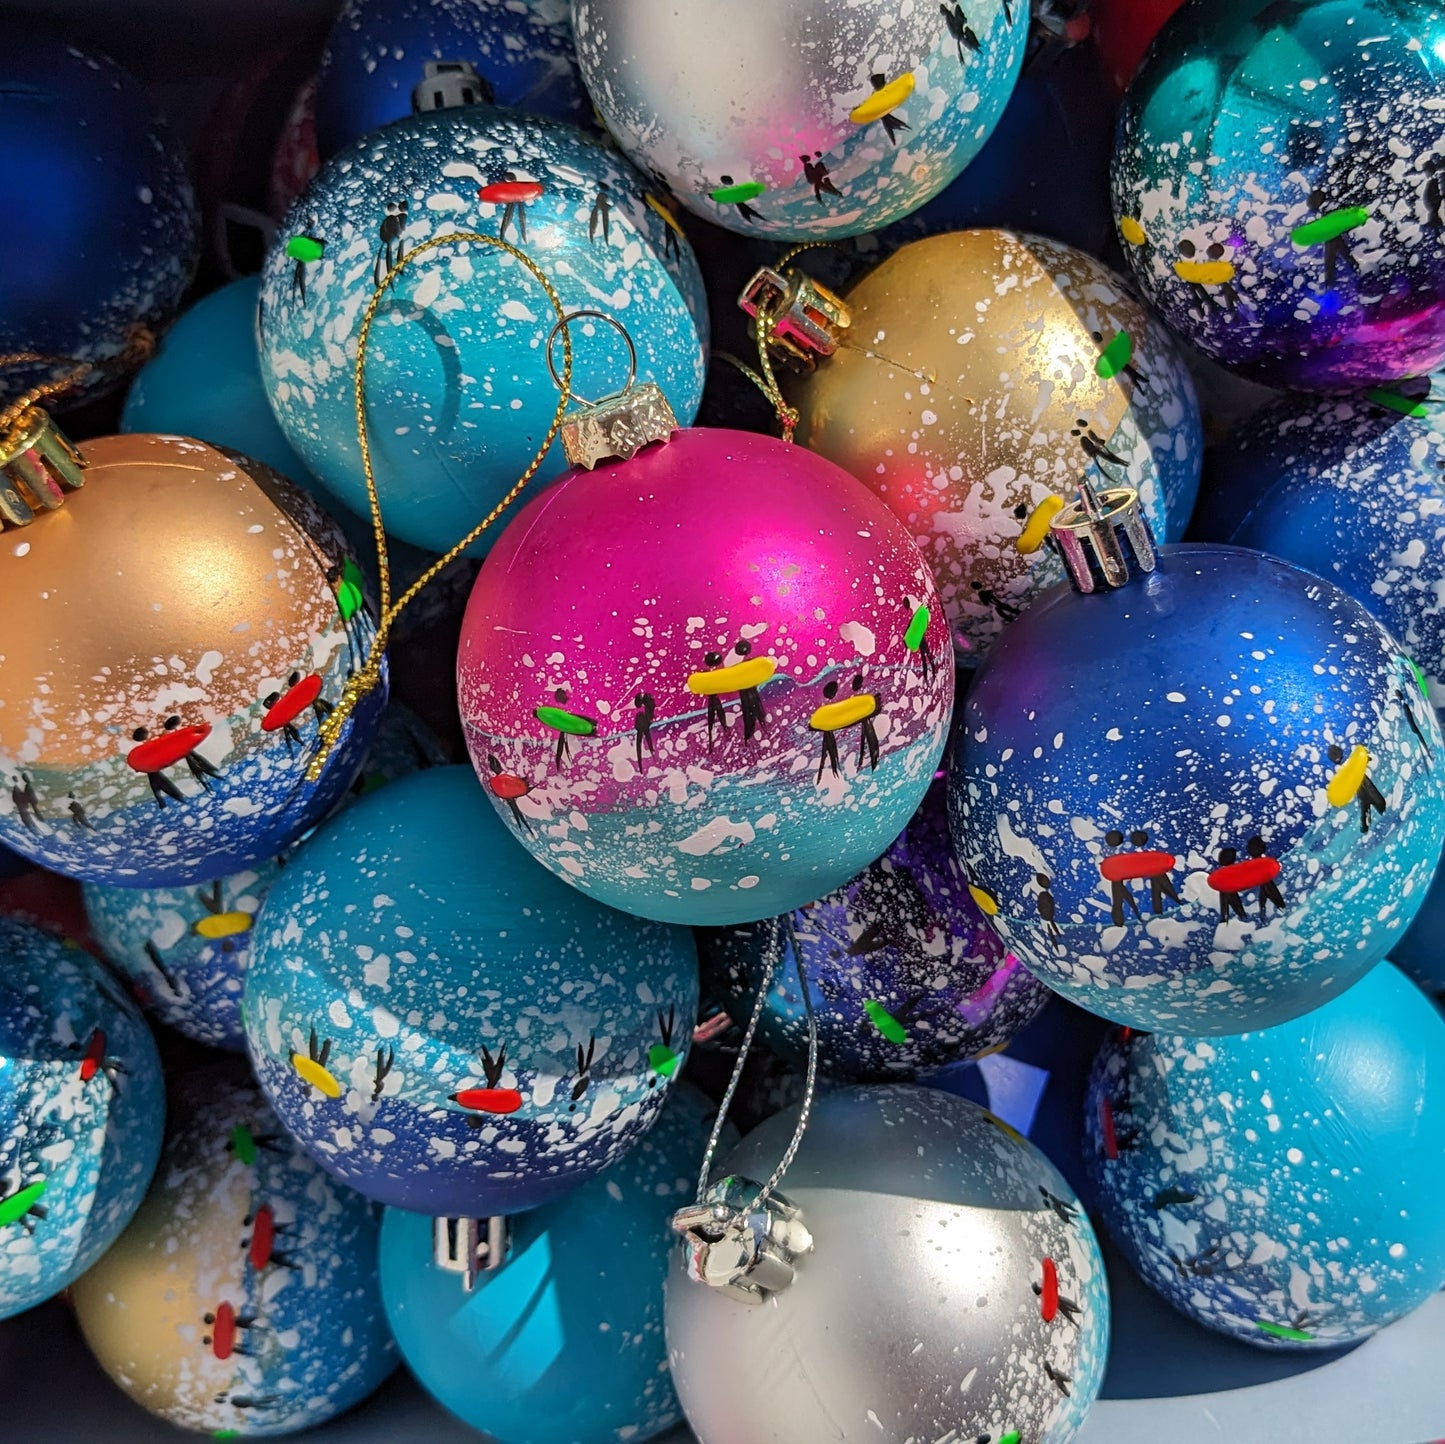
x=707, y=685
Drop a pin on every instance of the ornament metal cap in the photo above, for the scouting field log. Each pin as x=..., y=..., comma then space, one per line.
x=617, y=426
x=744, y=1248
x=1104, y=538
x=803, y=319
x=470, y=1246
x=38, y=465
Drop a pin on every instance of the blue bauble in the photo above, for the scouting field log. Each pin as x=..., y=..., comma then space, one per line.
x=1354, y=489
x=1279, y=185
x=1207, y=801
x=459, y=396
x=205, y=381
x=185, y=949
x=1045, y=169
x=381, y=54
x=244, y=1297
x=105, y=233
x=801, y=118
x=1286, y=1186
x=563, y=1343
x=443, y=1024
x=82, y=1109
x=903, y=971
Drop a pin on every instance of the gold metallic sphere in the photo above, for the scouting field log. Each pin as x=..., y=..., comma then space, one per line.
x=175, y=631
x=982, y=375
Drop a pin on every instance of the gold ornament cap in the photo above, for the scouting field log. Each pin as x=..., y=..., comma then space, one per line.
x=470, y=1247
x=804, y=320
x=616, y=427
x=38, y=465
x=1104, y=538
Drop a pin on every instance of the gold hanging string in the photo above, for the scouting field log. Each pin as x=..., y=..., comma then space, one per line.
x=140, y=346
x=364, y=681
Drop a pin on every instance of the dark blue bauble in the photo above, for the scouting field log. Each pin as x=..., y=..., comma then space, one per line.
x=1279, y=186
x=903, y=972
x=443, y=1024
x=1352, y=488
x=564, y=1341
x=103, y=235
x=205, y=381
x=185, y=949
x=82, y=1109
x=1287, y=1186
x=381, y=54
x=1207, y=801
x=1045, y=169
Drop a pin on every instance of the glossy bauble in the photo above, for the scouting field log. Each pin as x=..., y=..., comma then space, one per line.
x=954, y=1290
x=385, y=59
x=1352, y=488
x=1205, y=802
x=442, y=1024
x=1286, y=1187
x=105, y=232
x=458, y=392
x=185, y=949
x=705, y=685
x=81, y=1113
x=801, y=117
x=983, y=373
x=903, y=971
x=205, y=381
x=243, y=1298
x=563, y=1344
x=1279, y=186
x=192, y=618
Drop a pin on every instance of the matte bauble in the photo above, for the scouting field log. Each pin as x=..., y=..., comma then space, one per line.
x=185, y=949
x=243, y=1299
x=1279, y=186
x=82, y=1109
x=563, y=1344
x=1045, y=168
x=458, y=391
x=805, y=117
x=1354, y=490
x=1207, y=801
x=954, y=1289
x=619, y=616
x=1420, y=954
x=205, y=381
x=903, y=971
x=385, y=59
x=1286, y=1187
x=444, y=1026
x=110, y=234
x=983, y=373
x=192, y=618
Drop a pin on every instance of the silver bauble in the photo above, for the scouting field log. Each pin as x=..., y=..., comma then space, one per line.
x=954, y=1289
x=801, y=117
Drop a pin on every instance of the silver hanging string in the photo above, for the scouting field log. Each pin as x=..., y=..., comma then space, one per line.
x=775, y=955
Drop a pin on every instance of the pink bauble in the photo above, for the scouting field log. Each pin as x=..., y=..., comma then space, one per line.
x=707, y=685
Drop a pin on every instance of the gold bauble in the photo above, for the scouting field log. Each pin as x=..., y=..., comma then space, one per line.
x=982, y=375
x=244, y=1294
x=175, y=630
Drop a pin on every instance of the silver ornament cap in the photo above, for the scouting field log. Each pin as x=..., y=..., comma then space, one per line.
x=1104, y=538
x=617, y=427
x=470, y=1247
x=38, y=465
x=744, y=1248
x=804, y=320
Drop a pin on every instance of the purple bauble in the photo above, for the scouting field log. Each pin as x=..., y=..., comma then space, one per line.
x=903, y=972
x=709, y=684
